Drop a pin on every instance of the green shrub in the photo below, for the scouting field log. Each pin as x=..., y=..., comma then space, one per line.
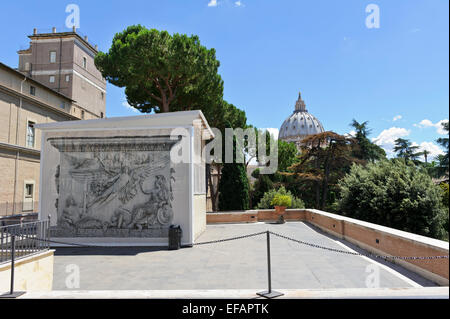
x=394, y=194
x=262, y=185
x=281, y=200
x=445, y=193
x=266, y=200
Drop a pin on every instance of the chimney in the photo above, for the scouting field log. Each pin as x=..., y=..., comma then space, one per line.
x=54, y=30
x=86, y=38
x=34, y=31
x=96, y=47
x=74, y=29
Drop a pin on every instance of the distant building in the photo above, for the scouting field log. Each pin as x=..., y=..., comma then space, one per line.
x=64, y=62
x=299, y=124
x=56, y=81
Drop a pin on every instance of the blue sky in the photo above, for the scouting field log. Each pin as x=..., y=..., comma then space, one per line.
x=395, y=76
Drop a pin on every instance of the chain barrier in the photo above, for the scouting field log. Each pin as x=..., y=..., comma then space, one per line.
x=195, y=244
x=67, y=243
x=355, y=253
x=229, y=239
x=273, y=233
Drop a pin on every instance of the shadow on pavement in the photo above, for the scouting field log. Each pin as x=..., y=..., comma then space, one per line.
x=104, y=251
x=405, y=272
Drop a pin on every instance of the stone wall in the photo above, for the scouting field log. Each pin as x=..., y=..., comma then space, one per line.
x=33, y=273
x=371, y=237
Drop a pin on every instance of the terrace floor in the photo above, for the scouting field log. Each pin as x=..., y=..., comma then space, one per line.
x=239, y=264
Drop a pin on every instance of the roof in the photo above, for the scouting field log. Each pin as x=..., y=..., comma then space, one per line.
x=34, y=81
x=159, y=120
x=62, y=35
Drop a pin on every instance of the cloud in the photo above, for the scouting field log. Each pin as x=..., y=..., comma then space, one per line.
x=427, y=123
x=434, y=150
x=386, y=139
x=397, y=117
x=351, y=134
x=128, y=106
x=238, y=3
x=212, y=3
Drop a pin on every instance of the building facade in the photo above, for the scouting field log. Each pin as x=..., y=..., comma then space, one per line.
x=64, y=62
x=50, y=85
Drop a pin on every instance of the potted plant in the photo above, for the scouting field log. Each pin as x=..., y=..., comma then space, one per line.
x=280, y=202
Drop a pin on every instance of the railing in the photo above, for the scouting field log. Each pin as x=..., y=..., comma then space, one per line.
x=18, y=208
x=23, y=240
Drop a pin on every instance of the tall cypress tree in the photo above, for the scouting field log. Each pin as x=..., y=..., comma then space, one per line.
x=233, y=188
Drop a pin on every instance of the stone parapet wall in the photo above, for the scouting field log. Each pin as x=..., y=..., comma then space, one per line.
x=377, y=239
x=33, y=273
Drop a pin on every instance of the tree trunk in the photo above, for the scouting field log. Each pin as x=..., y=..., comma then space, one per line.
x=325, y=182
x=325, y=192
x=165, y=104
x=317, y=186
x=214, y=189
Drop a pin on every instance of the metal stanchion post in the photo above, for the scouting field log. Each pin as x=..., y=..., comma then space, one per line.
x=12, y=294
x=48, y=231
x=269, y=293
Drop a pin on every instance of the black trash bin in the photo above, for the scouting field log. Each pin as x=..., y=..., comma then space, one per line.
x=175, y=233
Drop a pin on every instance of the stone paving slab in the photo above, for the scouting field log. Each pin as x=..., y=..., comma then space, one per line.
x=237, y=265
x=344, y=293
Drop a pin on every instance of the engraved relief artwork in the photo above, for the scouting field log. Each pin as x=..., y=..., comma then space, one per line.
x=115, y=186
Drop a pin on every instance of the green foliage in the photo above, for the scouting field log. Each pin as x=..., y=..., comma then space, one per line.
x=324, y=159
x=162, y=72
x=406, y=150
x=445, y=193
x=443, y=159
x=287, y=155
x=227, y=115
x=233, y=188
x=262, y=185
x=395, y=194
x=365, y=149
x=255, y=173
x=281, y=200
x=266, y=201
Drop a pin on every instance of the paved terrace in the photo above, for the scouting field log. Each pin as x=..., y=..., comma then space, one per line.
x=238, y=265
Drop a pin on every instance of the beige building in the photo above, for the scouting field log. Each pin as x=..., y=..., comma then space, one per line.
x=56, y=81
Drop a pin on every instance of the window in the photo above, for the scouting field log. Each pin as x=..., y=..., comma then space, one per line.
x=84, y=62
x=63, y=105
x=52, y=79
x=67, y=78
x=32, y=90
x=29, y=190
x=30, y=134
x=101, y=114
x=82, y=114
x=52, y=56
x=28, y=196
x=27, y=66
x=102, y=95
